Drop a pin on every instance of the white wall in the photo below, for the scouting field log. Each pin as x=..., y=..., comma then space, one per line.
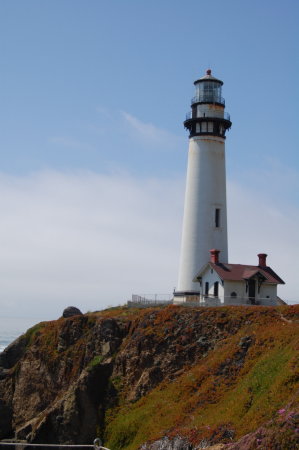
x=205, y=191
x=235, y=286
x=266, y=290
x=210, y=276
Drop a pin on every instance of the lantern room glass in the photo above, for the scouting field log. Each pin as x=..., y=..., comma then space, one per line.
x=209, y=91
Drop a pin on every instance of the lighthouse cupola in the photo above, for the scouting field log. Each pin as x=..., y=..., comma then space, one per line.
x=207, y=116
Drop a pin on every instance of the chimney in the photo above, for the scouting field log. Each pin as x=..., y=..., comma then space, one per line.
x=214, y=256
x=262, y=259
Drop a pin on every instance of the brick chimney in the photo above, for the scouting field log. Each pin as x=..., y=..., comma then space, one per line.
x=262, y=259
x=214, y=258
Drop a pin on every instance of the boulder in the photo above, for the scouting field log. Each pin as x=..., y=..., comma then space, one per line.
x=71, y=311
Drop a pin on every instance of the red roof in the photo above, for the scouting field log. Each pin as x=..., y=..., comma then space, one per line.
x=240, y=272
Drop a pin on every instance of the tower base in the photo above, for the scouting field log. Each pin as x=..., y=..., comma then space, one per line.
x=186, y=297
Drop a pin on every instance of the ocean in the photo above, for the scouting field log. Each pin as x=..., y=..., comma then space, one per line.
x=11, y=328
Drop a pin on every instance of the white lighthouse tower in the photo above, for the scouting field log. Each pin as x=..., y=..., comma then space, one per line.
x=204, y=223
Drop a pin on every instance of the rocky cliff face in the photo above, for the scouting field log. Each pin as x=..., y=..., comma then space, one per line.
x=171, y=378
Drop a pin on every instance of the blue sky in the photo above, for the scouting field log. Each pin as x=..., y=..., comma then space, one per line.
x=93, y=94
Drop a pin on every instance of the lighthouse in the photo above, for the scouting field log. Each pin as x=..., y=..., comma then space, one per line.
x=205, y=217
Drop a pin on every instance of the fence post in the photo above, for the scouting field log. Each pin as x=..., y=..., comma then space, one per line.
x=97, y=443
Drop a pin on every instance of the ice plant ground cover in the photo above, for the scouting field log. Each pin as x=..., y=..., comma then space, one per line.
x=207, y=376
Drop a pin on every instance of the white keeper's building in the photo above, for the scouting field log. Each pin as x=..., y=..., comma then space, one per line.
x=235, y=284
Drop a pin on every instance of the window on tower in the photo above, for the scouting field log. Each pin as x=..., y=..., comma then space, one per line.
x=217, y=217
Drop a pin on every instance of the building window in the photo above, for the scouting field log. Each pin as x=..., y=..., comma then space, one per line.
x=216, y=285
x=217, y=217
x=206, y=288
x=233, y=295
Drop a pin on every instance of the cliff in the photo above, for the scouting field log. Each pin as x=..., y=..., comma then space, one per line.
x=169, y=378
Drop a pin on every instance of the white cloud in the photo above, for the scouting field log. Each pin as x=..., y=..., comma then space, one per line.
x=150, y=133
x=85, y=239
x=92, y=240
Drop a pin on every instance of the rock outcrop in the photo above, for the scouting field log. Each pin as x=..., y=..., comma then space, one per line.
x=169, y=378
x=71, y=311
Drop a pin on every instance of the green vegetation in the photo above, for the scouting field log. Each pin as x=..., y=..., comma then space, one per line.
x=117, y=383
x=95, y=361
x=214, y=394
x=242, y=371
x=33, y=331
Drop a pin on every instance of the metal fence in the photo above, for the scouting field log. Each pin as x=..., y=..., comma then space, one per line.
x=148, y=300
x=208, y=98
x=220, y=115
x=210, y=300
x=152, y=297
x=21, y=445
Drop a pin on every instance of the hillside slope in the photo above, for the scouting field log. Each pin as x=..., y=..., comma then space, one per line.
x=158, y=378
